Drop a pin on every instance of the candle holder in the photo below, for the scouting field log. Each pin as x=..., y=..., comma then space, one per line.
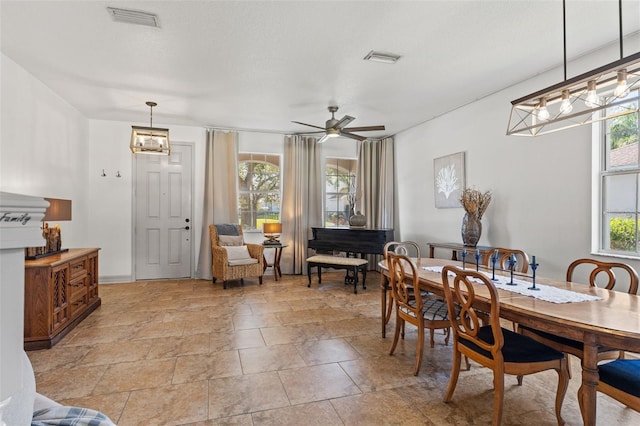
x=512, y=264
x=464, y=258
x=534, y=266
x=494, y=260
x=477, y=255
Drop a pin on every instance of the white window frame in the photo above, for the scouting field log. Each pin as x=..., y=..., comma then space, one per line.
x=242, y=192
x=327, y=161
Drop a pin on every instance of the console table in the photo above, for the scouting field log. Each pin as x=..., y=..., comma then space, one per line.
x=485, y=251
x=60, y=291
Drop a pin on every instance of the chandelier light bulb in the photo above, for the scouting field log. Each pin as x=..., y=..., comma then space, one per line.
x=565, y=106
x=592, y=100
x=622, y=89
x=543, y=112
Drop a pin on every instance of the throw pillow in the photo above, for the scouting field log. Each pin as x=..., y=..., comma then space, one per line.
x=237, y=252
x=230, y=240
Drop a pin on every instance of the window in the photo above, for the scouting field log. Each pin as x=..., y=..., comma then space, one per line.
x=620, y=182
x=259, y=190
x=339, y=193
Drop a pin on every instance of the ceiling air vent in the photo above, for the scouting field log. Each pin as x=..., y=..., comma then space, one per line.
x=385, y=58
x=134, y=17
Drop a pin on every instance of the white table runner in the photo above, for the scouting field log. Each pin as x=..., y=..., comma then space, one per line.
x=546, y=293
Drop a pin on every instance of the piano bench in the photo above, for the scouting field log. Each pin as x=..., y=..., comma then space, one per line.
x=351, y=264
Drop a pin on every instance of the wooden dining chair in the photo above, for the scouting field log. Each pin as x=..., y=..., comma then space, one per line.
x=423, y=311
x=608, y=269
x=408, y=248
x=493, y=346
x=522, y=259
x=620, y=379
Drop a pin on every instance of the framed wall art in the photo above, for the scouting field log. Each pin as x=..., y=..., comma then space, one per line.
x=449, y=180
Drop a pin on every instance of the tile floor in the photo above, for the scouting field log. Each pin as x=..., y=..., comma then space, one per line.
x=190, y=353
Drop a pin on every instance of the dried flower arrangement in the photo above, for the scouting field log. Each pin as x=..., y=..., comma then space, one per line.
x=475, y=202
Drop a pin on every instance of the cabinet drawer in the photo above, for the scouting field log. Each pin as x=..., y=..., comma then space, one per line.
x=78, y=306
x=78, y=267
x=78, y=287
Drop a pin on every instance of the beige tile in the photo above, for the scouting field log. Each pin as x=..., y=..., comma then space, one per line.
x=167, y=405
x=326, y=351
x=113, y=353
x=270, y=358
x=312, y=414
x=245, y=322
x=129, y=376
x=268, y=308
x=287, y=334
x=94, y=336
x=245, y=394
x=207, y=366
x=67, y=383
x=239, y=339
x=308, y=384
x=383, y=408
x=187, y=345
x=56, y=357
x=153, y=330
x=110, y=404
x=240, y=420
x=371, y=374
x=212, y=325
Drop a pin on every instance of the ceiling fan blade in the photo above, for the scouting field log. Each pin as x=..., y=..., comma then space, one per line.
x=352, y=136
x=363, y=129
x=323, y=139
x=310, y=125
x=344, y=121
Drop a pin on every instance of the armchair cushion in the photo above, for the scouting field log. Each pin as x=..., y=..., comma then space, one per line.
x=230, y=240
x=227, y=229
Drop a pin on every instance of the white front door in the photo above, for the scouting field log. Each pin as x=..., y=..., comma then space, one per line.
x=163, y=214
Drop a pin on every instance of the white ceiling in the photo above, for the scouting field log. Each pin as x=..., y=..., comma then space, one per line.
x=260, y=64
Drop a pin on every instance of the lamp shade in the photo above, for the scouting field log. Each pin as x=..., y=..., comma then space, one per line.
x=58, y=209
x=272, y=228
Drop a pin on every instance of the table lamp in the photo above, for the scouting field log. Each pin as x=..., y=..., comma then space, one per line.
x=272, y=231
x=58, y=210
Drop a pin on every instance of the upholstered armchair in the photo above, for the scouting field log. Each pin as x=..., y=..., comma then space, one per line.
x=232, y=259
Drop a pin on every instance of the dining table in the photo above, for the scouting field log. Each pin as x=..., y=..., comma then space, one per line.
x=611, y=320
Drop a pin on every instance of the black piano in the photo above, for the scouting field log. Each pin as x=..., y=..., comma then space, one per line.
x=350, y=240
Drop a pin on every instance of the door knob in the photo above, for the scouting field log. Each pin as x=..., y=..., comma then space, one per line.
x=186, y=227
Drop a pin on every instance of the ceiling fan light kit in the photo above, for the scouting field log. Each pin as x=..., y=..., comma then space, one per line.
x=334, y=128
x=603, y=93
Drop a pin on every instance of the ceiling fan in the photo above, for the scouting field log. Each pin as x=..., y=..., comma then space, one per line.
x=334, y=128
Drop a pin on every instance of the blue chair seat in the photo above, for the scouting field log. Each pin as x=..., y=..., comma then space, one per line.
x=623, y=374
x=517, y=348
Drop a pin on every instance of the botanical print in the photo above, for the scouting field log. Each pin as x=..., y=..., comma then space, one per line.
x=448, y=180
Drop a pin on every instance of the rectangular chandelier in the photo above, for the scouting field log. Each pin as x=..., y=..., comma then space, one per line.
x=611, y=89
x=150, y=140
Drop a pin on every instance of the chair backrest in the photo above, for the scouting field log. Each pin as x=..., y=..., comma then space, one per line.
x=608, y=269
x=403, y=277
x=408, y=248
x=522, y=259
x=223, y=229
x=466, y=314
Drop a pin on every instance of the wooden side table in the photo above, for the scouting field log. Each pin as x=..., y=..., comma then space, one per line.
x=276, y=259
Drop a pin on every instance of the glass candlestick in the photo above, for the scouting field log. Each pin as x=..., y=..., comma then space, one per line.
x=494, y=260
x=477, y=255
x=512, y=264
x=534, y=266
x=464, y=258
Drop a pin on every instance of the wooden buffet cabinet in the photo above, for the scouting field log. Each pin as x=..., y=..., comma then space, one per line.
x=60, y=291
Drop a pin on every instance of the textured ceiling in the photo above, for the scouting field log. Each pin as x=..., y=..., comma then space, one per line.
x=260, y=64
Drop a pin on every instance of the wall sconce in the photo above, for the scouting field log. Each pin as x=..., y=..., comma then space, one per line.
x=272, y=231
x=150, y=140
x=596, y=95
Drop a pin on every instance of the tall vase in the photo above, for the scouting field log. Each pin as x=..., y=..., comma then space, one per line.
x=471, y=230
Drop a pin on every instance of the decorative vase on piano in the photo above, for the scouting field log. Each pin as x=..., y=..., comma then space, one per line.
x=357, y=220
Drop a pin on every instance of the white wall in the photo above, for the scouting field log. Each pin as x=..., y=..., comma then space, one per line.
x=44, y=147
x=541, y=186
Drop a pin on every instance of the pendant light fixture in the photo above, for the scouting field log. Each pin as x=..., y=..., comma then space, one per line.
x=150, y=140
x=602, y=93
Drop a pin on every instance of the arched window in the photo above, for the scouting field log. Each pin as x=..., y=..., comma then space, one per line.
x=259, y=188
